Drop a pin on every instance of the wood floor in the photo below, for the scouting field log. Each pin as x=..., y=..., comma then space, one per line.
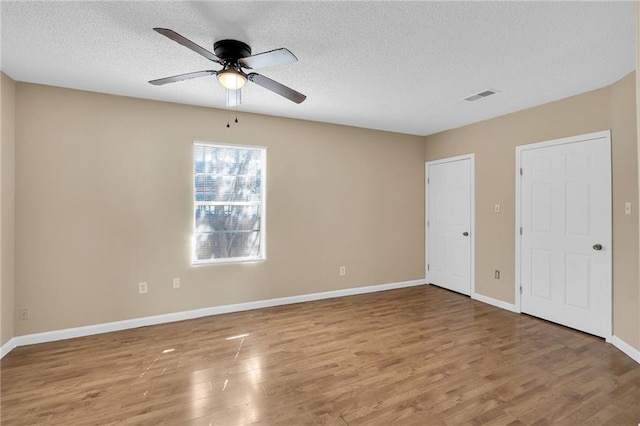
x=421, y=355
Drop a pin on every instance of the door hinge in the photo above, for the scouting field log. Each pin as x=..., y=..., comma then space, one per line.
x=520, y=171
x=520, y=289
x=428, y=181
x=521, y=230
x=428, y=224
x=428, y=267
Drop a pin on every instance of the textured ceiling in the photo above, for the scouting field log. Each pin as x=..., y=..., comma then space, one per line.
x=396, y=66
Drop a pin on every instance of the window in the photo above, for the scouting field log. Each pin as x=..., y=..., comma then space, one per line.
x=229, y=203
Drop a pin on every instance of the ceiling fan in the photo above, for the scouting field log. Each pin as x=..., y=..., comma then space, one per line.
x=234, y=56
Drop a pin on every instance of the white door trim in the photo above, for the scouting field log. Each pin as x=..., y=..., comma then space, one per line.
x=605, y=134
x=472, y=232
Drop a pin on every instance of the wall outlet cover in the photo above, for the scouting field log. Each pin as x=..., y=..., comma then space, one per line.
x=24, y=314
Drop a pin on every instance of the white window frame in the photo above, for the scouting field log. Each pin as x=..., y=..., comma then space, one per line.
x=262, y=203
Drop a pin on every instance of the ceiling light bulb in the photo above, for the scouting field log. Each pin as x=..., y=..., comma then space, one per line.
x=231, y=79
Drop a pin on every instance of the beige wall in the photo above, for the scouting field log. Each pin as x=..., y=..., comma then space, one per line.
x=104, y=200
x=638, y=120
x=7, y=205
x=494, y=141
x=626, y=290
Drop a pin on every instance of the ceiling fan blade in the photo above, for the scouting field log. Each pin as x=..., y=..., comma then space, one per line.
x=267, y=59
x=187, y=76
x=188, y=44
x=276, y=87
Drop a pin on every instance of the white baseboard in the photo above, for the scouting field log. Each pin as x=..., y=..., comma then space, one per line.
x=626, y=348
x=70, y=333
x=495, y=302
x=7, y=347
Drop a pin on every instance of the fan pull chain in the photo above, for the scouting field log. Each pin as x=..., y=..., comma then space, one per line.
x=238, y=100
x=228, y=98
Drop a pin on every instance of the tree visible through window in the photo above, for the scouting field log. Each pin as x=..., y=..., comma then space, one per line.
x=229, y=184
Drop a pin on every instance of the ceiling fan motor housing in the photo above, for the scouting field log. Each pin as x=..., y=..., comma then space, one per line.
x=231, y=49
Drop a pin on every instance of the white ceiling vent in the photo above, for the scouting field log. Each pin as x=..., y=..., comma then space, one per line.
x=481, y=95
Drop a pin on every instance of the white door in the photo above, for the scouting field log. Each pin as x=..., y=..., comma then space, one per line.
x=565, y=254
x=449, y=195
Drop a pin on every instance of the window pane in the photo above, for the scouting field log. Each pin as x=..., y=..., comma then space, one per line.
x=228, y=192
x=226, y=231
x=227, y=174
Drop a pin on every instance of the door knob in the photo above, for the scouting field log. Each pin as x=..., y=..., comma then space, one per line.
x=597, y=247
x=465, y=233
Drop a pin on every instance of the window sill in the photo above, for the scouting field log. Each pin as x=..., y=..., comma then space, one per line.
x=227, y=261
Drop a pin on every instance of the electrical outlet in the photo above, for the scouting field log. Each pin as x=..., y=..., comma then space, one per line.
x=343, y=271
x=496, y=274
x=24, y=314
x=627, y=207
x=176, y=283
x=143, y=287
x=496, y=208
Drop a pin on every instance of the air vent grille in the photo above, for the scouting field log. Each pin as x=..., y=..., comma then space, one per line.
x=481, y=95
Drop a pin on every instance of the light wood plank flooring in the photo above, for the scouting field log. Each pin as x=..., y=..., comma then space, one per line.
x=421, y=355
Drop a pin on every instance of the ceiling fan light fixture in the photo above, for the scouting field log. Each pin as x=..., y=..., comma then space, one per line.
x=231, y=79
